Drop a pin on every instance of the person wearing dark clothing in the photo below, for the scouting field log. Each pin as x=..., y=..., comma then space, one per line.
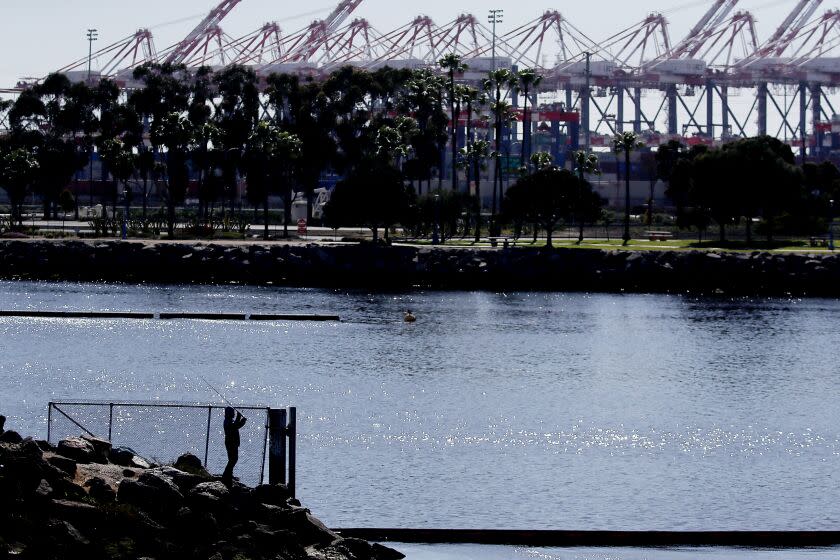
x=2, y=423
x=233, y=423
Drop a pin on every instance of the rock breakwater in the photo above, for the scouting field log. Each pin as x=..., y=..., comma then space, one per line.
x=83, y=499
x=402, y=267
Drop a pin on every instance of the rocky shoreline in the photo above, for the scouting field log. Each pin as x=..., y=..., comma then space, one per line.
x=83, y=499
x=406, y=267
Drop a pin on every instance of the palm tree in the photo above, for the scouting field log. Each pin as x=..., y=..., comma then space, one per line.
x=626, y=142
x=502, y=112
x=473, y=155
x=585, y=164
x=541, y=160
x=527, y=81
x=454, y=64
x=473, y=99
x=496, y=82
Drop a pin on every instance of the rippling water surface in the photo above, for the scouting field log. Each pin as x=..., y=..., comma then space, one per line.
x=494, y=410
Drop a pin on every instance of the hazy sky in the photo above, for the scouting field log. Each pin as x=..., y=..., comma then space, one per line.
x=37, y=36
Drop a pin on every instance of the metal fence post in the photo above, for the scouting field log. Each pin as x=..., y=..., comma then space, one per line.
x=110, y=419
x=292, y=450
x=265, y=447
x=49, y=421
x=277, y=446
x=207, y=441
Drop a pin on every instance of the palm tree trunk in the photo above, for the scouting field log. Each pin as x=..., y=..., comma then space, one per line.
x=265, y=217
x=626, y=196
x=477, y=203
x=456, y=115
x=525, y=122
x=467, y=141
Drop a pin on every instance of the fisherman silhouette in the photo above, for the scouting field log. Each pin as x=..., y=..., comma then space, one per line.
x=2, y=423
x=233, y=423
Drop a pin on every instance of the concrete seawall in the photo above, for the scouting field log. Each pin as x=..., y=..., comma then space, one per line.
x=398, y=268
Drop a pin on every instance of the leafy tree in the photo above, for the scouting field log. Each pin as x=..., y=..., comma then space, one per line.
x=444, y=208
x=767, y=178
x=372, y=195
x=236, y=118
x=545, y=197
x=45, y=119
x=122, y=162
x=19, y=170
x=175, y=133
x=67, y=202
x=270, y=157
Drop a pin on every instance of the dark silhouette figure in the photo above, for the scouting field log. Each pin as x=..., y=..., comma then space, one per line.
x=233, y=423
x=2, y=423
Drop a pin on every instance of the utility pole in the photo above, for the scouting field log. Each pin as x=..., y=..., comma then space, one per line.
x=495, y=17
x=92, y=35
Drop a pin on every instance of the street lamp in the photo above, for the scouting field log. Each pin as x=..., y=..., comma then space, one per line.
x=92, y=35
x=495, y=17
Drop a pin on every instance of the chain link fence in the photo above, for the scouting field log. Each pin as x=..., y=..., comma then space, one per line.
x=161, y=432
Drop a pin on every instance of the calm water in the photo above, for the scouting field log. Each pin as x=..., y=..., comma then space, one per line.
x=419, y=552
x=493, y=411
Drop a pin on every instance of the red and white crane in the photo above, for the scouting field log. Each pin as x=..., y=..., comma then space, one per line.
x=205, y=33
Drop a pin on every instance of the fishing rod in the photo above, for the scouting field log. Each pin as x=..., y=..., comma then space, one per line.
x=230, y=404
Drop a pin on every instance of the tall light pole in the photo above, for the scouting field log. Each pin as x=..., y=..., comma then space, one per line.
x=92, y=35
x=494, y=17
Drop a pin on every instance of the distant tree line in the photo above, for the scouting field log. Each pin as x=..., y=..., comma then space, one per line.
x=383, y=132
x=752, y=181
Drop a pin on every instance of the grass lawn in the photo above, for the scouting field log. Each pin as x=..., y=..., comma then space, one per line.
x=645, y=245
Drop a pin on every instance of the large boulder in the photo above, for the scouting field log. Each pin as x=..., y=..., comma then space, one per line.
x=185, y=481
x=101, y=448
x=189, y=463
x=78, y=449
x=121, y=456
x=10, y=437
x=272, y=494
x=153, y=492
x=353, y=549
x=78, y=513
x=100, y=491
x=67, y=466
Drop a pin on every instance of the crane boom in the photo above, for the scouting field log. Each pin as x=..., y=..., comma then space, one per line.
x=794, y=16
x=722, y=7
x=707, y=24
x=320, y=30
x=213, y=19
